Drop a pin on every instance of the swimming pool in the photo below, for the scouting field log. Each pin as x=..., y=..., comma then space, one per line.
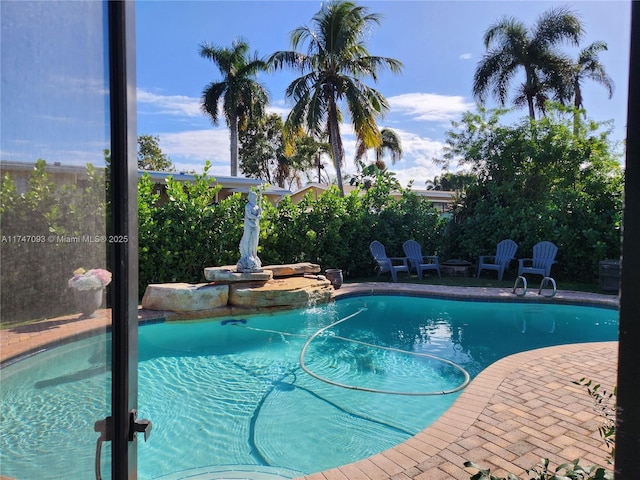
x=233, y=397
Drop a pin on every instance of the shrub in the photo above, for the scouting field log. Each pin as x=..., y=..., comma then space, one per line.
x=187, y=233
x=538, y=180
x=46, y=235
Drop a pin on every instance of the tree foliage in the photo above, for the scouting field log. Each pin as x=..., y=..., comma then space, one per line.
x=243, y=97
x=452, y=182
x=371, y=175
x=538, y=180
x=262, y=148
x=332, y=71
x=150, y=155
x=512, y=47
x=390, y=143
x=306, y=153
x=47, y=232
x=264, y=153
x=589, y=67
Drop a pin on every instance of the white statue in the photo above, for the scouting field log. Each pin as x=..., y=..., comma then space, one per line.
x=249, y=261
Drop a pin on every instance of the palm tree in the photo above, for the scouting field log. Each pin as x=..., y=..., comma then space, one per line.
x=332, y=69
x=242, y=95
x=390, y=143
x=511, y=46
x=589, y=67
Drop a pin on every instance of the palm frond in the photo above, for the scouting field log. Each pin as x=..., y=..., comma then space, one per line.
x=290, y=59
x=335, y=62
x=502, y=33
x=511, y=47
x=211, y=96
x=556, y=25
x=589, y=66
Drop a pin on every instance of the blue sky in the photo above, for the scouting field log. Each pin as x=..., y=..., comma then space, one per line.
x=54, y=93
x=439, y=43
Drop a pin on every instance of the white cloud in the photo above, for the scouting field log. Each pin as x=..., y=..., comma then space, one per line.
x=466, y=56
x=279, y=107
x=419, y=174
x=190, y=149
x=201, y=144
x=417, y=160
x=180, y=105
x=184, y=106
x=421, y=149
x=429, y=106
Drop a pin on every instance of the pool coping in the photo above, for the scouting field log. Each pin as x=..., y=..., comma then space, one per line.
x=479, y=294
x=499, y=421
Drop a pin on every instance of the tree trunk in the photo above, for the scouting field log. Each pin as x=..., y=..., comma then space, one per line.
x=529, y=90
x=577, y=101
x=334, y=140
x=233, y=147
x=532, y=112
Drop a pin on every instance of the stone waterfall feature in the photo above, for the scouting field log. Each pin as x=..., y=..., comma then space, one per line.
x=231, y=292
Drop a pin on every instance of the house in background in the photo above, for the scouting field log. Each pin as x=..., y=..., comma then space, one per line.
x=441, y=200
x=59, y=174
x=77, y=175
x=230, y=185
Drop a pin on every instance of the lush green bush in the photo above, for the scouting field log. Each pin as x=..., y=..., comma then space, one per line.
x=181, y=237
x=538, y=180
x=47, y=233
x=177, y=239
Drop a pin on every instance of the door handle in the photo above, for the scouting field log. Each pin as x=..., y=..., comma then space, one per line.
x=138, y=425
x=104, y=427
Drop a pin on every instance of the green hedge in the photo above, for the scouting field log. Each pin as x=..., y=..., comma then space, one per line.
x=547, y=179
x=181, y=237
x=48, y=233
x=191, y=231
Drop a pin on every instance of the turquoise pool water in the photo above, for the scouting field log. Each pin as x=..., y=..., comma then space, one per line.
x=230, y=397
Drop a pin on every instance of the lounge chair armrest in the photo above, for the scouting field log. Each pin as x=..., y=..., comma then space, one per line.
x=402, y=260
x=487, y=259
x=522, y=261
